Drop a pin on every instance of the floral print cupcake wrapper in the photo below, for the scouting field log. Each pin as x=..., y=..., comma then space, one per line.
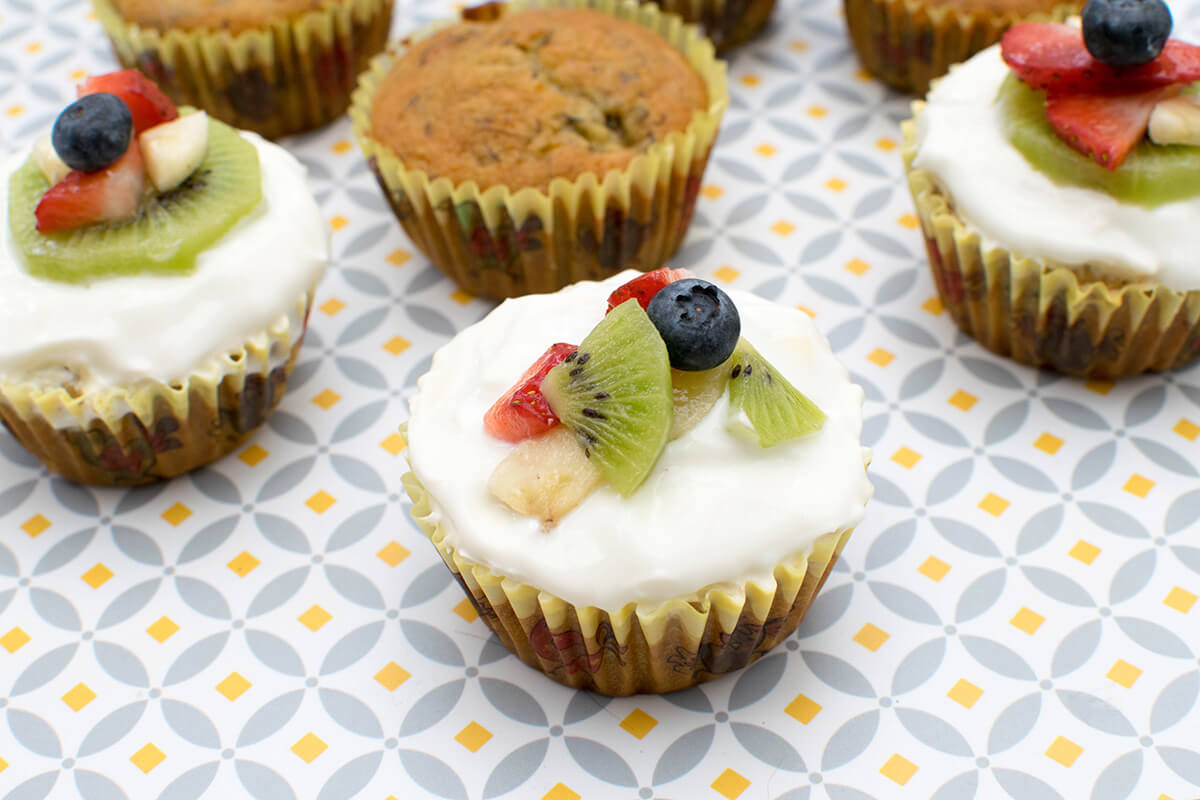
x=639, y=649
x=292, y=76
x=503, y=243
x=128, y=437
x=1046, y=314
x=908, y=43
x=728, y=23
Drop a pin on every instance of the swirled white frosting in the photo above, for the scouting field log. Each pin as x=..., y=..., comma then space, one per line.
x=962, y=143
x=119, y=331
x=716, y=509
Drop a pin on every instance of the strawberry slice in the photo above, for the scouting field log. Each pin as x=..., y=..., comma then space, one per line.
x=1052, y=56
x=1104, y=127
x=84, y=198
x=146, y=101
x=644, y=287
x=522, y=411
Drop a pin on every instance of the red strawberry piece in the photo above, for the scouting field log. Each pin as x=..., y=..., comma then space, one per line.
x=522, y=411
x=1105, y=127
x=146, y=101
x=84, y=198
x=1052, y=56
x=644, y=287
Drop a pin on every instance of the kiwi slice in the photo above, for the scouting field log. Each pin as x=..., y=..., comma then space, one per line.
x=170, y=230
x=1151, y=174
x=695, y=393
x=763, y=406
x=614, y=394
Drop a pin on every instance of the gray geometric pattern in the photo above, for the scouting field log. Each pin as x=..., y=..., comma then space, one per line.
x=1016, y=617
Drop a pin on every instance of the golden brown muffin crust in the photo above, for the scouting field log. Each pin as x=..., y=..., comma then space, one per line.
x=533, y=96
x=1020, y=8
x=231, y=15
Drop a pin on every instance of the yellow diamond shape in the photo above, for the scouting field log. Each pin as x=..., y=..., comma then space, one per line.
x=1100, y=387
x=253, y=455
x=1187, y=429
x=1123, y=673
x=97, y=576
x=176, y=514
x=332, y=306
x=466, y=610
x=560, y=791
x=398, y=258
x=934, y=305
x=243, y=564
x=3, y=765
x=233, y=686
x=765, y=150
x=147, y=758
x=79, y=696
x=16, y=111
x=397, y=345
x=35, y=526
x=871, y=637
x=712, y=192
x=1027, y=621
x=461, y=296
x=934, y=568
x=314, y=618
x=817, y=112
x=802, y=709
x=964, y=401
x=1138, y=486
x=1064, y=751
x=885, y=144
x=994, y=504
x=751, y=80
x=726, y=273
x=14, y=640
x=162, y=629
x=880, y=357
x=309, y=747
x=392, y=675
x=964, y=693
x=783, y=228
x=1048, y=443
x=835, y=184
x=393, y=553
x=899, y=769
x=338, y=222
x=1180, y=599
x=326, y=399
x=730, y=784
x=341, y=147
x=394, y=444
x=798, y=46
x=321, y=502
x=908, y=221
x=857, y=266
x=473, y=737
x=638, y=723
x=906, y=458
x=1084, y=551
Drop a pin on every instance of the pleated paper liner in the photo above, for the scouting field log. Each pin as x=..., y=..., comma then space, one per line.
x=504, y=243
x=289, y=77
x=728, y=23
x=908, y=43
x=154, y=431
x=1046, y=314
x=639, y=649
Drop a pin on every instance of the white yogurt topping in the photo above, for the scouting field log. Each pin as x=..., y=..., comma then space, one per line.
x=716, y=508
x=961, y=142
x=122, y=330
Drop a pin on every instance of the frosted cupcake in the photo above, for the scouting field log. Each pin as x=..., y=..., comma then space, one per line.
x=156, y=273
x=659, y=497
x=1059, y=196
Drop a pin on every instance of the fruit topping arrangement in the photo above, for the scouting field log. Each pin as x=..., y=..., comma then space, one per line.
x=124, y=184
x=1106, y=84
x=667, y=350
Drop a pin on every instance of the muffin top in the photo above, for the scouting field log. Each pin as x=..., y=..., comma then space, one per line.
x=231, y=15
x=1018, y=8
x=533, y=96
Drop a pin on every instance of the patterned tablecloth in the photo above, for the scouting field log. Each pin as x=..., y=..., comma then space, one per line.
x=1015, y=618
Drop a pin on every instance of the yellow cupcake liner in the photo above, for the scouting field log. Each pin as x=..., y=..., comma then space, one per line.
x=908, y=43
x=1043, y=313
x=728, y=23
x=638, y=649
x=126, y=436
x=503, y=243
x=289, y=77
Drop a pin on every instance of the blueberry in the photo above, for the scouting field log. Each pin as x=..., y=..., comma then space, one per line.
x=698, y=322
x=1123, y=33
x=93, y=132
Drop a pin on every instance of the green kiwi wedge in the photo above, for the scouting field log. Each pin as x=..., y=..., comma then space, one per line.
x=614, y=394
x=763, y=406
x=1150, y=176
x=165, y=237
x=695, y=393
